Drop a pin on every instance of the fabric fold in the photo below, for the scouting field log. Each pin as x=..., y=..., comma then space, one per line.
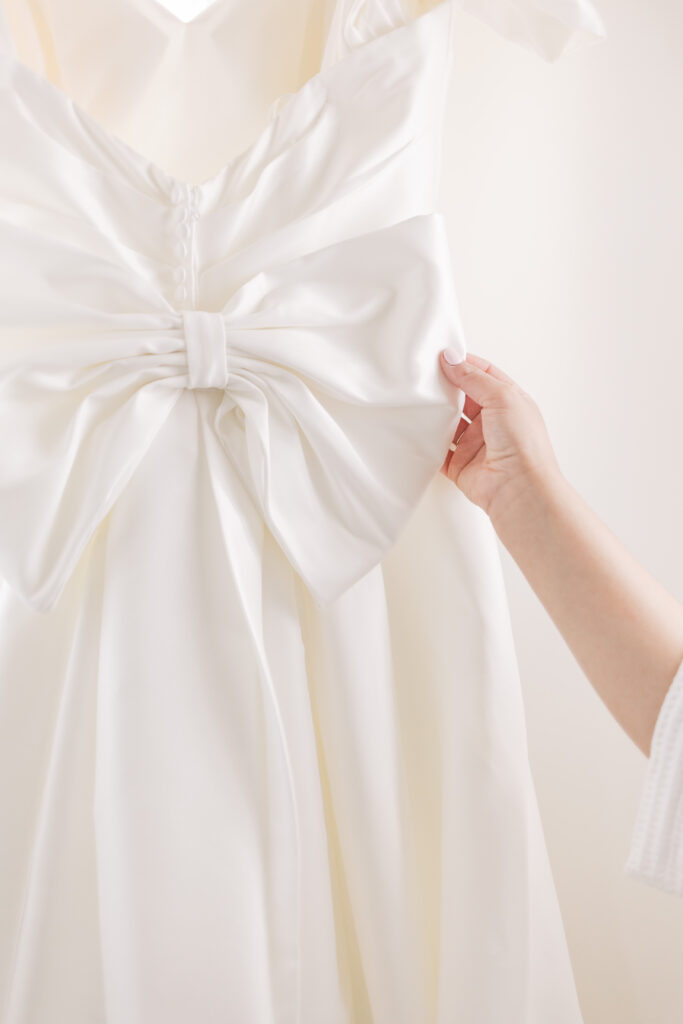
x=548, y=28
x=334, y=415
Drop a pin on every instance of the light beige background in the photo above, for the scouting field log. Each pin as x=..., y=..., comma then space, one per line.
x=563, y=189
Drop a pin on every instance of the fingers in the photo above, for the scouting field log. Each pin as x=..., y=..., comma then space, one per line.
x=469, y=444
x=461, y=427
x=459, y=430
x=489, y=367
x=483, y=383
x=470, y=407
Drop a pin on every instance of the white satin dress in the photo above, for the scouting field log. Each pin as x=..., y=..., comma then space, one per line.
x=262, y=746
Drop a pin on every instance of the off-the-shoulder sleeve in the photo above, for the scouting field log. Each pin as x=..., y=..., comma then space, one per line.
x=656, y=853
x=546, y=27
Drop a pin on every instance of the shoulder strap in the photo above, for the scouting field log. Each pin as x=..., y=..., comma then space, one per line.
x=546, y=27
x=355, y=22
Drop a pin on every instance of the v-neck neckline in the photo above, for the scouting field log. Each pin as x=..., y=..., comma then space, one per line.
x=158, y=10
x=172, y=183
x=135, y=156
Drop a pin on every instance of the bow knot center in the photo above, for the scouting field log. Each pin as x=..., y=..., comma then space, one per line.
x=207, y=350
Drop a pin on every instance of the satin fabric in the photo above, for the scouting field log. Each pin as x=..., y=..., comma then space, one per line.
x=329, y=409
x=262, y=742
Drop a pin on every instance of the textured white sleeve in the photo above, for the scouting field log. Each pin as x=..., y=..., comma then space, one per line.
x=656, y=853
x=546, y=27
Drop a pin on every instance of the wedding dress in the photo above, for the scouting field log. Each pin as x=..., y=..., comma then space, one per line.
x=262, y=745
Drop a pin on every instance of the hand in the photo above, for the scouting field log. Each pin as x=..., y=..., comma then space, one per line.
x=624, y=629
x=502, y=445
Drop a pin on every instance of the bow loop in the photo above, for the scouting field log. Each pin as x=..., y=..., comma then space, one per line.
x=335, y=416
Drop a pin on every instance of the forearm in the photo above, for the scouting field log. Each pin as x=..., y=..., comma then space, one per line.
x=624, y=629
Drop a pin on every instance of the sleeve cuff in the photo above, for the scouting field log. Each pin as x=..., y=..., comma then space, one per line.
x=656, y=852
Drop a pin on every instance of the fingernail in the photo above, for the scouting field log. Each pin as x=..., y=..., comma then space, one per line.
x=452, y=357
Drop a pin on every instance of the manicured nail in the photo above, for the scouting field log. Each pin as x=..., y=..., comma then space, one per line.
x=452, y=357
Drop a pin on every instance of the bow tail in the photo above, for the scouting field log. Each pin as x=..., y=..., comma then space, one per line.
x=243, y=531
x=336, y=494
x=347, y=416
x=74, y=430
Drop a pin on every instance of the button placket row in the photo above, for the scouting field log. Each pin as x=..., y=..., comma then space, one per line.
x=186, y=200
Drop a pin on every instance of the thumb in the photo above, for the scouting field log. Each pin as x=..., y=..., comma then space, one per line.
x=476, y=383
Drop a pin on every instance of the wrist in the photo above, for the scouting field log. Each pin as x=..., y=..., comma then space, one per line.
x=529, y=499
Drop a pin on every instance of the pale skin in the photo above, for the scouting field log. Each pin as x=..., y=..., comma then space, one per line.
x=623, y=627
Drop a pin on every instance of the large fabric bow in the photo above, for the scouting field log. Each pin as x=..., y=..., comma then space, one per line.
x=330, y=399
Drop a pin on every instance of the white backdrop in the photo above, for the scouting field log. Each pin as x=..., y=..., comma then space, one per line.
x=563, y=188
